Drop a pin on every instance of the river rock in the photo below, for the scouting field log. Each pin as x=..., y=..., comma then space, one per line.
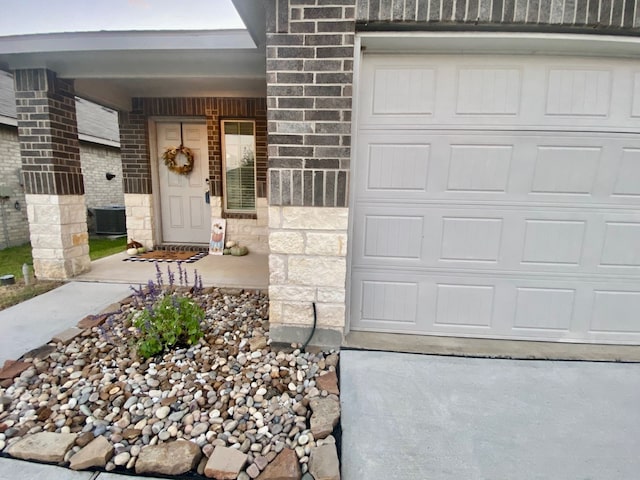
x=225, y=463
x=43, y=447
x=323, y=463
x=174, y=458
x=96, y=454
x=122, y=459
x=284, y=467
x=163, y=412
x=328, y=382
x=326, y=414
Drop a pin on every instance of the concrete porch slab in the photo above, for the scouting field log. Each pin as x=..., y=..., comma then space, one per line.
x=250, y=271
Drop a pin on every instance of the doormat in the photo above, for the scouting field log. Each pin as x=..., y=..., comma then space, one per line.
x=186, y=256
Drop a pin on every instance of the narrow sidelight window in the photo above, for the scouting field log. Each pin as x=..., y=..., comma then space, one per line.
x=239, y=158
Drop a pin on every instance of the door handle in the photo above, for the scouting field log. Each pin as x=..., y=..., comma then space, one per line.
x=207, y=197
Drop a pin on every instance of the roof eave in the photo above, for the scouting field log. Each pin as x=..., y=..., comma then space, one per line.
x=136, y=41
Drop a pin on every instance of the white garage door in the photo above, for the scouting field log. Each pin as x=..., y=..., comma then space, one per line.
x=498, y=197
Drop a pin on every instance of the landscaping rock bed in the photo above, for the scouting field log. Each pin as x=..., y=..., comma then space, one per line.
x=228, y=407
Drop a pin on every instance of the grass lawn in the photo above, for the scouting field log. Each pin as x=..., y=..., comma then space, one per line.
x=12, y=259
x=103, y=247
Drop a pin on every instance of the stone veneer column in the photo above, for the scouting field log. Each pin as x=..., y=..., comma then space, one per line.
x=309, y=89
x=53, y=183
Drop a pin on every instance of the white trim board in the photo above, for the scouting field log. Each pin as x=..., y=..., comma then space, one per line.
x=501, y=43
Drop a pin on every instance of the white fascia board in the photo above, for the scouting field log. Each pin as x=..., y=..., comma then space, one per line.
x=142, y=63
x=127, y=41
x=501, y=43
x=4, y=120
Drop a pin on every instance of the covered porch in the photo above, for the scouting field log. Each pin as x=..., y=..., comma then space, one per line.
x=161, y=83
x=247, y=272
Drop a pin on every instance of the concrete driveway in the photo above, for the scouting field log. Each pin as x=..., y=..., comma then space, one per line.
x=407, y=416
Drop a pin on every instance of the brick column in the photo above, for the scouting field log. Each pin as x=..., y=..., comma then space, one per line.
x=52, y=175
x=309, y=87
x=136, y=172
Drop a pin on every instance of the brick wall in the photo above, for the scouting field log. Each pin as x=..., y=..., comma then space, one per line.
x=309, y=92
x=134, y=136
x=97, y=160
x=134, y=150
x=596, y=15
x=309, y=88
x=48, y=133
x=14, y=226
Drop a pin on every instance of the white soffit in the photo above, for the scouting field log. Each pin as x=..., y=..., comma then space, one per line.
x=112, y=67
x=501, y=43
x=127, y=41
x=136, y=54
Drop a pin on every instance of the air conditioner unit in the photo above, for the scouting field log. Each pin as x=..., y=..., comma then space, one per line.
x=110, y=220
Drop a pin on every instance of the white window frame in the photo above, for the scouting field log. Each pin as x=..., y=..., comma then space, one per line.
x=224, y=164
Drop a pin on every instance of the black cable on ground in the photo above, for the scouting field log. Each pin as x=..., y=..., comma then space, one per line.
x=313, y=329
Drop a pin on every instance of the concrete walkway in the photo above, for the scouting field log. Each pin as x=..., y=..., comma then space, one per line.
x=31, y=324
x=11, y=469
x=416, y=417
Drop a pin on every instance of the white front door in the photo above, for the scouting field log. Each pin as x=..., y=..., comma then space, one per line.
x=185, y=215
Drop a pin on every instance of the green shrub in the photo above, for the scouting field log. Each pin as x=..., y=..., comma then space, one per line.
x=171, y=321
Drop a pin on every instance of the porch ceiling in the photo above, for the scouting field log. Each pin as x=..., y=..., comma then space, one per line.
x=113, y=67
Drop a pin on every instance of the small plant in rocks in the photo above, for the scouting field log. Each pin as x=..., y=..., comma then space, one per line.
x=166, y=318
x=173, y=320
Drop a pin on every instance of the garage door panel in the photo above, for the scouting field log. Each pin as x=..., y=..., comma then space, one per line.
x=496, y=238
x=565, y=169
x=578, y=92
x=393, y=236
x=544, y=308
x=545, y=92
x=495, y=307
x=485, y=90
x=417, y=97
x=470, y=239
x=497, y=197
x=397, y=167
x=479, y=168
x=531, y=167
x=627, y=177
x=620, y=245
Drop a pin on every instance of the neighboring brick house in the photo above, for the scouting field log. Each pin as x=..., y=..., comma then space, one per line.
x=437, y=168
x=99, y=154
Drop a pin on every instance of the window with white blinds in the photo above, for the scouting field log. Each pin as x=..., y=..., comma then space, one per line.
x=239, y=154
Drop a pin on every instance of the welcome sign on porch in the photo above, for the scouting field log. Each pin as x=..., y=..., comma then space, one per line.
x=218, y=230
